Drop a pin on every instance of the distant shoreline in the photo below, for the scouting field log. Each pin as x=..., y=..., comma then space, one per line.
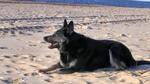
x=139, y=5
x=31, y=2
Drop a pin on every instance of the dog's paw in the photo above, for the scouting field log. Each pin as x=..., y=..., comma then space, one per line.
x=43, y=71
x=66, y=71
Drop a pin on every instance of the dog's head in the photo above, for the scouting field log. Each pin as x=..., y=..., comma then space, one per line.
x=60, y=36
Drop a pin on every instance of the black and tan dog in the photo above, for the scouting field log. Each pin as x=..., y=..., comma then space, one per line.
x=81, y=53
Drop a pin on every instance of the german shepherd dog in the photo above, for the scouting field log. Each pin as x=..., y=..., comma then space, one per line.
x=81, y=53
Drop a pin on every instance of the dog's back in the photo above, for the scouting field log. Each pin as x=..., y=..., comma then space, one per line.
x=93, y=54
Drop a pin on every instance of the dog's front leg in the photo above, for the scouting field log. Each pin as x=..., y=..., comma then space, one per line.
x=70, y=68
x=67, y=70
x=54, y=67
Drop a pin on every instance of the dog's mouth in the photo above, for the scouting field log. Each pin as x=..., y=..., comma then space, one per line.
x=53, y=45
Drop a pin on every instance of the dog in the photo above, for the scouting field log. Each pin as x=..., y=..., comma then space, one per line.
x=81, y=53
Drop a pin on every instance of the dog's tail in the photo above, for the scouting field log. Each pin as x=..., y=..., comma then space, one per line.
x=143, y=62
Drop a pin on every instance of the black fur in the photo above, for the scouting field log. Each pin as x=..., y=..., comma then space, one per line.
x=81, y=53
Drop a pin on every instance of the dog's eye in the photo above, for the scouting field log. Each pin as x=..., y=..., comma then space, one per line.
x=53, y=35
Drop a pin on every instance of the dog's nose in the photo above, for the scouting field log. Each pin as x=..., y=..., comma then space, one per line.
x=45, y=38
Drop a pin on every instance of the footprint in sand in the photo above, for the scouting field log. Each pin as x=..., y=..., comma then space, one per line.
x=8, y=66
x=32, y=45
x=16, y=56
x=3, y=47
x=24, y=56
x=1, y=59
x=32, y=57
x=125, y=78
x=6, y=56
x=25, y=33
x=48, y=56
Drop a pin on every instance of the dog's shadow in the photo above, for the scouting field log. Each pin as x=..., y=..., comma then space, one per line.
x=133, y=68
x=140, y=67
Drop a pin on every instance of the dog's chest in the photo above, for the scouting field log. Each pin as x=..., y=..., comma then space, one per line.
x=67, y=61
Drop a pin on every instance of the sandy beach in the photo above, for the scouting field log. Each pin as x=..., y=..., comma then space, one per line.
x=23, y=51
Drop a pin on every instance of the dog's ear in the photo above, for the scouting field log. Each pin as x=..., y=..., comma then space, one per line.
x=70, y=28
x=65, y=23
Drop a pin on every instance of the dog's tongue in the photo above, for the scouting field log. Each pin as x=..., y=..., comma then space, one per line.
x=51, y=46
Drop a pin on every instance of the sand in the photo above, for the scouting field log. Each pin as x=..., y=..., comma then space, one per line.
x=23, y=51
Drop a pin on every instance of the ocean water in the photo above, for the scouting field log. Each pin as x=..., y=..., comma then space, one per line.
x=121, y=3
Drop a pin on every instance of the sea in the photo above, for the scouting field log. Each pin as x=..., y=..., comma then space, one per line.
x=120, y=3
